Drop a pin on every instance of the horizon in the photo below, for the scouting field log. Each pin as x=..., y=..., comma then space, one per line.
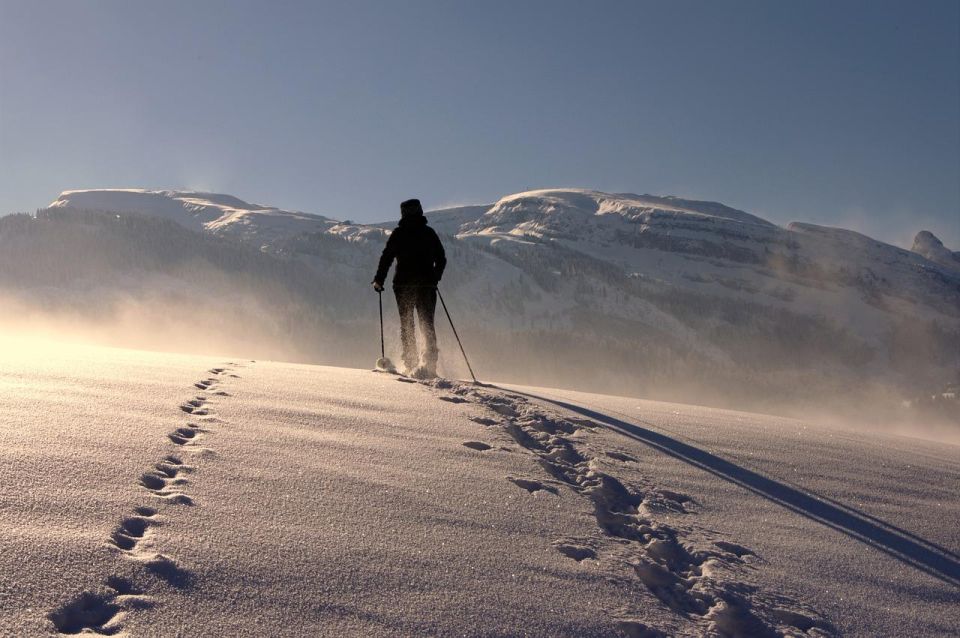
x=835, y=115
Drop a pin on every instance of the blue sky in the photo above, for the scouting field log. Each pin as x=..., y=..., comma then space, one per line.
x=841, y=113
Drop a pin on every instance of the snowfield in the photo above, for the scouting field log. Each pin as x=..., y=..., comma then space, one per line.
x=150, y=494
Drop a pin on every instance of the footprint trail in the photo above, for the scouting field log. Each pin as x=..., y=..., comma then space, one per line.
x=105, y=610
x=644, y=530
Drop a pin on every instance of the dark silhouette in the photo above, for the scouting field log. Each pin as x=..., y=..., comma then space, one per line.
x=420, y=263
x=898, y=543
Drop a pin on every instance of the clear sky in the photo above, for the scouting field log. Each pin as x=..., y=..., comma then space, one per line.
x=835, y=112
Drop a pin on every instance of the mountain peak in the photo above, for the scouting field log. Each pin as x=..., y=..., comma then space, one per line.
x=572, y=212
x=929, y=245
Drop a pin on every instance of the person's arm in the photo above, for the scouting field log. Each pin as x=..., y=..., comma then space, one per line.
x=439, y=258
x=386, y=258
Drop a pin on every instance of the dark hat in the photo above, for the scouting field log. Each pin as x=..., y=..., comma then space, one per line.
x=411, y=208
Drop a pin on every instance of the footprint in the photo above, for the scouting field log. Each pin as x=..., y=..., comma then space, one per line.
x=576, y=552
x=533, y=486
x=476, y=445
x=195, y=411
x=130, y=532
x=177, y=498
x=167, y=469
x=88, y=612
x=167, y=569
x=183, y=436
x=737, y=550
x=122, y=586
x=621, y=456
x=196, y=407
x=483, y=420
x=503, y=409
x=217, y=370
x=453, y=399
x=153, y=482
x=158, y=483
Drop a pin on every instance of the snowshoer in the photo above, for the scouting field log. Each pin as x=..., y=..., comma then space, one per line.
x=420, y=263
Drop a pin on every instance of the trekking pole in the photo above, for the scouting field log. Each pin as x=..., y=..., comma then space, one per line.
x=383, y=354
x=462, y=351
x=383, y=363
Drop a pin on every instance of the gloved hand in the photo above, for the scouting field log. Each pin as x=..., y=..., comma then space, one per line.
x=377, y=286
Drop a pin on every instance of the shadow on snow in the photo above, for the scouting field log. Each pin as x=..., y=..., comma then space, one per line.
x=893, y=541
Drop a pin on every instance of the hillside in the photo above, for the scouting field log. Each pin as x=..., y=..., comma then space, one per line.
x=639, y=294
x=156, y=495
x=213, y=212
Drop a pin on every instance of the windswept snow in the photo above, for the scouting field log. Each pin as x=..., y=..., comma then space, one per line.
x=163, y=495
x=214, y=212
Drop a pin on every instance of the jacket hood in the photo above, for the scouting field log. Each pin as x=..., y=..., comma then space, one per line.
x=411, y=208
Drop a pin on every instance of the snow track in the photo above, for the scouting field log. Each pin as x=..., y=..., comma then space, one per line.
x=313, y=501
x=104, y=611
x=701, y=576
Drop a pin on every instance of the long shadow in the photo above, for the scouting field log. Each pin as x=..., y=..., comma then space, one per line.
x=904, y=546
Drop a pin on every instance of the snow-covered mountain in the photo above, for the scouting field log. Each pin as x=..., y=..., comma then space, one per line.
x=684, y=257
x=635, y=289
x=928, y=245
x=213, y=212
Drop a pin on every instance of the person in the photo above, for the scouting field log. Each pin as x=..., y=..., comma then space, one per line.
x=420, y=264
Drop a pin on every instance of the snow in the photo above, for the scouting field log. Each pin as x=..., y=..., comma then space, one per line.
x=929, y=246
x=195, y=496
x=721, y=305
x=214, y=212
x=716, y=251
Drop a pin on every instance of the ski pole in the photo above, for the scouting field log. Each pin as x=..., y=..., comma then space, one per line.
x=462, y=351
x=380, y=299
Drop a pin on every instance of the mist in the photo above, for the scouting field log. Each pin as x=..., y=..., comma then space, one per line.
x=136, y=281
x=243, y=324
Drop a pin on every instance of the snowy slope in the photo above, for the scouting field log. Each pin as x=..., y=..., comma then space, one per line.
x=159, y=495
x=217, y=213
x=697, y=290
x=928, y=245
x=704, y=245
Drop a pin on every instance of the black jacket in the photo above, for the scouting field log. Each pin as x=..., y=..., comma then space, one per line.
x=419, y=254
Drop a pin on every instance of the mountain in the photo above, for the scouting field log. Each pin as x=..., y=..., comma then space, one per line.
x=220, y=214
x=625, y=293
x=927, y=245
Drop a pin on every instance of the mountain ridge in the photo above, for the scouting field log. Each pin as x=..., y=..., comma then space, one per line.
x=597, y=281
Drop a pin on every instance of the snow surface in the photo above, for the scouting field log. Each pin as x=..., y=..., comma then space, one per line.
x=214, y=212
x=157, y=495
